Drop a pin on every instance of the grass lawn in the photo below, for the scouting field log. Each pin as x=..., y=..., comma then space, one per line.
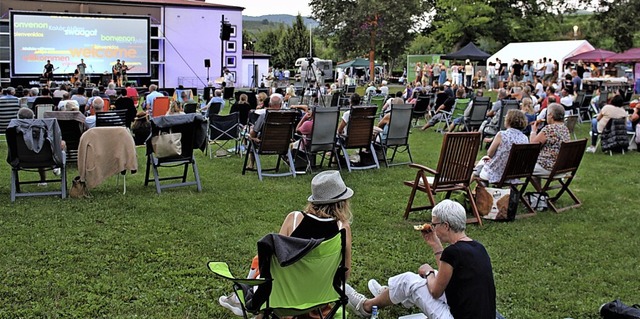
x=144, y=255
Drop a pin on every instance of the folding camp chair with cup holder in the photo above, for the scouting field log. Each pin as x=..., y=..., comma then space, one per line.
x=223, y=128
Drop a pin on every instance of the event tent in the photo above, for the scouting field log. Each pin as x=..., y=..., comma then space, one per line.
x=534, y=51
x=355, y=63
x=597, y=55
x=631, y=55
x=468, y=52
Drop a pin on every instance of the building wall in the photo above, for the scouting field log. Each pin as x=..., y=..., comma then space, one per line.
x=262, y=67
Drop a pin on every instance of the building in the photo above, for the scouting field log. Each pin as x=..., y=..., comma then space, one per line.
x=183, y=34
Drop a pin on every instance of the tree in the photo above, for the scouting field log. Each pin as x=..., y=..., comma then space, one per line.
x=294, y=43
x=621, y=18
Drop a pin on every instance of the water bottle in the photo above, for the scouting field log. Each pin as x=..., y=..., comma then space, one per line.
x=374, y=312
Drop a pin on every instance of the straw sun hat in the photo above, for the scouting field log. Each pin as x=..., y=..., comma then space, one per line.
x=328, y=187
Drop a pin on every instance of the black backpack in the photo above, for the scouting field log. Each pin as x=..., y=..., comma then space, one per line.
x=618, y=310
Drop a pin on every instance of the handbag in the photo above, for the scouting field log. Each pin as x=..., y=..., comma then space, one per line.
x=78, y=189
x=495, y=203
x=167, y=144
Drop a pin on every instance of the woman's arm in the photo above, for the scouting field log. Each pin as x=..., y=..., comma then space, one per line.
x=536, y=137
x=494, y=145
x=438, y=283
x=287, y=225
x=347, y=256
x=341, y=126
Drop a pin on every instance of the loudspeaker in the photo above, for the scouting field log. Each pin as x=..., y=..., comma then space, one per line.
x=207, y=63
x=226, y=31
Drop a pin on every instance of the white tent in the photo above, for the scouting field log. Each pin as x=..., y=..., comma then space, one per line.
x=534, y=51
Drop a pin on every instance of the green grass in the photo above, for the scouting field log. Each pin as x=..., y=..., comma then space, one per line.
x=144, y=255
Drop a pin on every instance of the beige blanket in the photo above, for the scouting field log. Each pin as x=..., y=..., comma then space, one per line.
x=104, y=152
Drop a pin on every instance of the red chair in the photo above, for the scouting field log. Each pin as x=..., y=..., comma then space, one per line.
x=160, y=106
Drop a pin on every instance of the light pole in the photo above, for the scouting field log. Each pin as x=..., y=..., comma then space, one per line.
x=575, y=32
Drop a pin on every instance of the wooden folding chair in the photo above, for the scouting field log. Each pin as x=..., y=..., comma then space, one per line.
x=563, y=172
x=454, y=172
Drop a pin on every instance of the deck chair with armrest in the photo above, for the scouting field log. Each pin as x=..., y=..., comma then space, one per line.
x=520, y=165
x=190, y=108
x=308, y=281
x=44, y=152
x=111, y=118
x=9, y=108
x=359, y=136
x=454, y=171
x=397, y=134
x=561, y=175
x=420, y=109
x=221, y=130
x=458, y=111
x=322, y=138
x=478, y=113
x=193, y=128
x=274, y=139
x=72, y=126
x=500, y=126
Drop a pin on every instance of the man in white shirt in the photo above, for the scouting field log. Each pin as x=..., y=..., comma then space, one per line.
x=153, y=94
x=98, y=106
x=229, y=80
x=548, y=70
x=340, y=77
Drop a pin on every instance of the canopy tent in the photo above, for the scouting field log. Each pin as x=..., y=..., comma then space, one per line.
x=468, y=52
x=355, y=63
x=631, y=55
x=534, y=51
x=597, y=55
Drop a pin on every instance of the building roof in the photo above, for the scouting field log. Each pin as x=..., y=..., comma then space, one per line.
x=248, y=54
x=184, y=3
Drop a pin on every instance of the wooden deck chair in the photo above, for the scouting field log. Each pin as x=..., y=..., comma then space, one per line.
x=420, y=109
x=397, y=134
x=563, y=172
x=160, y=106
x=23, y=158
x=520, y=165
x=193, y=129
x=478, y=113
x=455, y=168
x=359, y=136
x=322, y=138
x=275, y=139
x=297, y=286
x=111, y=118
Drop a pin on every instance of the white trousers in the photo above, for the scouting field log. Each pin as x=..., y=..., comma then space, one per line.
x=409, y=289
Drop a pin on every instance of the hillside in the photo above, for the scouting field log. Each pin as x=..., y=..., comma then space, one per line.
x=272, y=21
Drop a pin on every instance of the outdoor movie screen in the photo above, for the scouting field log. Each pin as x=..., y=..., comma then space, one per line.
x=65, y=39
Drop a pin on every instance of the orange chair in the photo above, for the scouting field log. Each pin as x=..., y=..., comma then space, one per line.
x=106, y=107
x=160, y=106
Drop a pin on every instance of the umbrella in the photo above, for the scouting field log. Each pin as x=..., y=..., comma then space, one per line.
x=597, y=55
x=355, y=63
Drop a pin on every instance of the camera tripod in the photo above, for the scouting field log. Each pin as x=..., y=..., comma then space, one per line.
x=308, y=80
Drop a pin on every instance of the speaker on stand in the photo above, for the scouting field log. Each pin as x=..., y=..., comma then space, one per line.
x=207, y=64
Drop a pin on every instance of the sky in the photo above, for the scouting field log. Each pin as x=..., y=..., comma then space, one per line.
x=264, y=7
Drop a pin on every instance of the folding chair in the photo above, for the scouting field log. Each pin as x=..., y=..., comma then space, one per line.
x=420, y=109
x=520, y=164
x=160, y=106
x=47, y=156
x=126, y=103
x=322, y=138
x=584, y=110
x=614, y=137
x=190, y=108
x=111, y=118
x=455, y=168
x=359, y=136
x=457, y=111
x=296, y=286
x=72, y=127
x=223, y=128
x=215, y=108
x=9, y=108
x=377, y=100
x=500, y=126
x=478, y=113
x=561, y=175
x=193, y=128
x=397, y=133
x=570, y=122
x=275, y=139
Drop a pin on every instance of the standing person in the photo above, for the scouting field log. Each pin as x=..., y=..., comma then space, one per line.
x=48, y=72
x=491, y=76
x=418, y=72
x=117, y=67
x=123, y=73
x=468, y=73
x=454, y=74
x=461, y=288
x=82, y=71
x=229, y=80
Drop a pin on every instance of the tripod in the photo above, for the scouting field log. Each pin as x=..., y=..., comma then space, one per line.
x=311, y=79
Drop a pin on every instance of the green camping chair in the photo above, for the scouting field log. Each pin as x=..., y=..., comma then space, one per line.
x=378, y=100
x=308, y=283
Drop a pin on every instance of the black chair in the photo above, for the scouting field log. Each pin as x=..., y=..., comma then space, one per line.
x=215, y=108
x=127, y=104
x=478, y=113
x=397, y=135
x=21, y=157
x=43, y=104
x=193, y=128
x=9, y=108
x=223, y=128
x=227, y=94
x=72, y=127
x=421, y=108
x=190, y=108
x=111, y=118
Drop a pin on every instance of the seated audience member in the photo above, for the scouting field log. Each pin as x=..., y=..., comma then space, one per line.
x=566, y=99
x=529, y=113
x=217, y=98
x=95, y=93
x=344, y=121
x=185, y=96
x=132, y=93
x=491, y=167
x=446, y=106
x=243, y=107
x=467, y=113
x=111, y=89
x=80, y=97
x=153, y=94
x=71, y=106
x=609, y=111
x=384, y=89
x=393, y=100
x=98, y=106
x=124, y=102
x=141, y=128
x=551, y=93
x=175, y=108
x=304, y=128
x=65, y=97
x=263, y=101
x=327, y=212
x=551, y=137
x=462, y=287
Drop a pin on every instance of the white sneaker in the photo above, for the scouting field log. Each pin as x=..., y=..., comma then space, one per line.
x=375, y=287
x=356, y=302
x=43, y=184
x=232, y=304
x=591, y=149
x=57, y=171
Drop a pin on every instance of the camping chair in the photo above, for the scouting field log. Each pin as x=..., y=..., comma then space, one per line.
x=190, y=108
x=397, y=133
x=223, y=128
x=458, y=111
x=296, y=286
x=227, y=93
x=323, y=136
x=455, y=168
x=420, y=109
x=193, y=128
x=570, y=122
x=275, y=139
x=215, y=108
x=520, y=164
x=478, y=113
x=111, y=118
x=9, y=108
x=160, y=106
x=614, y=137
x=359, y=136
x=378, y=100
x=561, y=175
x=48, y=157
x=584, y=110
x=71, y=127
x=500, y=126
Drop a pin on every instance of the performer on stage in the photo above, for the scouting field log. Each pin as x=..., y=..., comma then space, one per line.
x=82, y=67
x=117, y=68
x=123, y=73
x=48, y=72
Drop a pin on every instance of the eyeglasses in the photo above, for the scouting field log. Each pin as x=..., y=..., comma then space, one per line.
x=436, y=224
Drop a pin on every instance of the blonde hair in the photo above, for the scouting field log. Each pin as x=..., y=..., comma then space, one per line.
x=175, y=107
x=339, y=210
x=527, y=105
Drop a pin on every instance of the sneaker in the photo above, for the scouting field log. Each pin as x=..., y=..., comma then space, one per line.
x=376, y=288
x=232, y=304
x=356, y=302
x=57, y=171
x=591, y=149
x=43, y=184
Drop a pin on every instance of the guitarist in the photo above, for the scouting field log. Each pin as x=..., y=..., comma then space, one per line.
x=48, y=72
x=117, y=68
x=123, y=73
